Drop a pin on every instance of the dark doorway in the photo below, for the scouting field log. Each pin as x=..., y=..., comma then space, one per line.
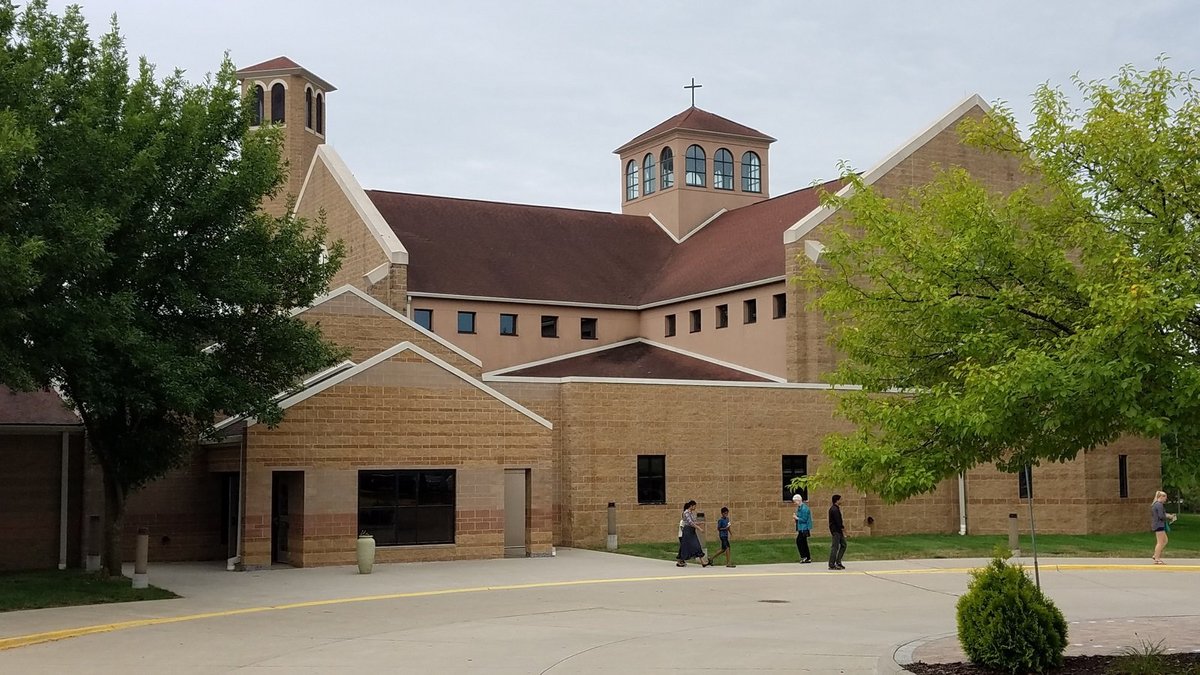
x=230, y=498
x=283, y=487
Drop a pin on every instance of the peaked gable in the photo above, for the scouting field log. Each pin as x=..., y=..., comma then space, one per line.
x=695, y=119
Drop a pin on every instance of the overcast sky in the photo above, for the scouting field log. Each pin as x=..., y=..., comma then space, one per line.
x=524, y=101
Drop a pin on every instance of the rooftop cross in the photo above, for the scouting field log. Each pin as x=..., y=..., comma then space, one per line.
x=693, y=86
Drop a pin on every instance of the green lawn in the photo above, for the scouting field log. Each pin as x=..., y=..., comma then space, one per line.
x=54, y=588
x=1184, y=543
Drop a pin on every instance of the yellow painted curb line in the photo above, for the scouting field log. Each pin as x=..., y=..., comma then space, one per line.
x=51, y=636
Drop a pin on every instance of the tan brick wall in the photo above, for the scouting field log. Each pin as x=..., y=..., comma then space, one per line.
x=546, y=400
x=366, y=330
x=1107, y=510
x=809, y=354
x=30, y=500
x=403, y=413
x=363, y=253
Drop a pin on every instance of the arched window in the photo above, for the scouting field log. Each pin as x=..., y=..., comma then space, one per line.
x=723, y=170
x=308, y=111
x=258, y=105
x=695, y=169
x=751, y=173
x=667, y=168
x=631, y=180
x=321, y=113
x=278, y=96
x=648, y=174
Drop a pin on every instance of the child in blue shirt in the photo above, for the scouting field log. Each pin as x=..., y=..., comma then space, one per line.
x=723, y=526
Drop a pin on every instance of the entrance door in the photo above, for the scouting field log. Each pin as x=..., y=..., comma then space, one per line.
x=280, y=518
x=516, y=484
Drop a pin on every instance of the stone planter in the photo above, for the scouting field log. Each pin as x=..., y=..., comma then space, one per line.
x=365, y=550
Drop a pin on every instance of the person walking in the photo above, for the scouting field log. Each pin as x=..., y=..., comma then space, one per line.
x=724, y=525
x=837, y=529
x=1160, y=523
x=803, y=518
x=690, y=547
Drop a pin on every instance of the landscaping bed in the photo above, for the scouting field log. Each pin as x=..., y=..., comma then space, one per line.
x=1168, y=664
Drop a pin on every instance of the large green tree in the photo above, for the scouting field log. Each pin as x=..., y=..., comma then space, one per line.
x=1023, y=328
x=132, y=237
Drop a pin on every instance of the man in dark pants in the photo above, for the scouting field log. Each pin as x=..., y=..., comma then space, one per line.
x=837, y=548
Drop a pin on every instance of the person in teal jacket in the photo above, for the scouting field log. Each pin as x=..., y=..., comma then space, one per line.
x=803, y=518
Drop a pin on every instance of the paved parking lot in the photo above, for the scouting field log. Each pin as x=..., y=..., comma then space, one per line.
x=580, y=612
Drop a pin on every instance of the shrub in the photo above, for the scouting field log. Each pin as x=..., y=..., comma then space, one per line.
x=1006, y=623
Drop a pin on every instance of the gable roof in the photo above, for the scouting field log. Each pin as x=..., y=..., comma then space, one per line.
x=810, y=221
x=635, y=359
x=282, y=65
x=695, y=119
x=470, y=248
x=42, y=407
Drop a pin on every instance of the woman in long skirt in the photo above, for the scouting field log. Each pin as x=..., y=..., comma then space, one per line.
x=689, y=546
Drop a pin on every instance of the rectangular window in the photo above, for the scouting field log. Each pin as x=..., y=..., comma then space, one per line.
x=587, y=329
x=1123, y=475
x=466, y=322
x=750, y=311
x=508, y=324
x=1025, y=483
x=669, y=330
x=405, y=508
x=423, y=318
x=694, y=321
x=794, y=466
x=652, y=479
x=549, y=326
x=722, y=316
x=779, y=305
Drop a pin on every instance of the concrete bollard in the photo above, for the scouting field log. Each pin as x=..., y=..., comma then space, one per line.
x=95, y=534
x=1014, y=538
x=140, y=578
x=612, y=526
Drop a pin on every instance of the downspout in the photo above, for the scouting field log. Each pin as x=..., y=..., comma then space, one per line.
x=962, y=504
x=64, y=496
x=232, y=563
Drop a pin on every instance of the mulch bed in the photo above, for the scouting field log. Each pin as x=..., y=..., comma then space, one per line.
x=1183, y=664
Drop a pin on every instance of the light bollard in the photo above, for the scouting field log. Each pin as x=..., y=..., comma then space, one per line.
x=1014, y=540
x=141, y=579
x=94, y=537
x=612, y=526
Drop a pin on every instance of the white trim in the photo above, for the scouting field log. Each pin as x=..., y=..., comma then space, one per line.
x=394, y=314
x=278, y=80
x=378, y=274
x=552, y=359
x=822, y=213
x=595, y=305
x=374, y=221
x=733, y=366
x=699, y=227
x=719, y=362
x=389, y=353
x=308, y=381
x=813, y=249
x=718, y=291
x=304, y=185
x=816, y=386
x=664, y=227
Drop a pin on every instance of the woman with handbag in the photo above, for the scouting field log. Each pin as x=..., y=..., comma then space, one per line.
x=803, y=518
x=1160, y=522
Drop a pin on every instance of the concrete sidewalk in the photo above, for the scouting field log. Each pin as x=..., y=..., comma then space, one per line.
x=582, y=611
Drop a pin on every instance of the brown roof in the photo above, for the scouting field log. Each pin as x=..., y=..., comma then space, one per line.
x=739, y=247
x=493, y=249
x=638, y=360
x=34, y=408
x=277, y=63
x=695, y=119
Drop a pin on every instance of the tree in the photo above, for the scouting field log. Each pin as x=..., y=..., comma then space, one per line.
x=136, y=206
x=1028, y=327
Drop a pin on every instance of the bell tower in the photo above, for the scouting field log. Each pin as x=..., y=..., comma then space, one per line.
x=691, y=168
x=288, y=94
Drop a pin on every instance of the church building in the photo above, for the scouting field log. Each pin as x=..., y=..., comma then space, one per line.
x=514, y=370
